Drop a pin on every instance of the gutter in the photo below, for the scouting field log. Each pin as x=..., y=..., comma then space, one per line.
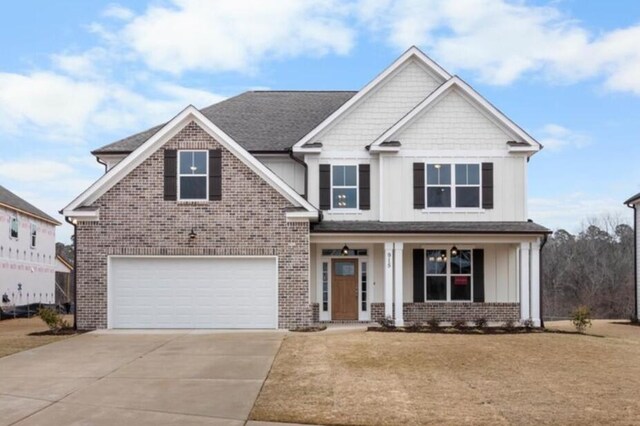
x=75, y=272
x=306, y=171
x=544, y=241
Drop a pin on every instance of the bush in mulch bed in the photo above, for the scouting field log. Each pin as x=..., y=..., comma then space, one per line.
x=502, y=330
x=61, y=332
x=310, y=329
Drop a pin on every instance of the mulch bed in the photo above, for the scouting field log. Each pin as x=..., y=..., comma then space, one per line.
x=63, y=332
x=309, y=329
x=472, y=330
x=634, y=323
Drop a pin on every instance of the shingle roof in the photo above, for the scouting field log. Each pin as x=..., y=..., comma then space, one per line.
x=258, y=120
x=10, y=199
x=633, y=199
x=349, y=227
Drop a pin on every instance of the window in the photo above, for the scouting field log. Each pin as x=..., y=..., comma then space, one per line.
x=13, y=228
x=467, y=185
x=193, y=171
x=446, y=189
x=363, y=286
x=344, y=187
x=325, y=286
x=448, y=278
x=34, y=234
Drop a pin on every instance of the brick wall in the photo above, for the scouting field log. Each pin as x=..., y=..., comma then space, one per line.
x=249, y=220
x=468, y=311
x=315, y=309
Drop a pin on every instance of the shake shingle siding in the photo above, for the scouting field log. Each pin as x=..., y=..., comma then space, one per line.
x=249, y=220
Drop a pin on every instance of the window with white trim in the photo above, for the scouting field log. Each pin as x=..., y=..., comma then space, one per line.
x=448, y=275
x=344, y=187
x=34, y=235
x=14, y=227
x=452, y=185
x=193, y=175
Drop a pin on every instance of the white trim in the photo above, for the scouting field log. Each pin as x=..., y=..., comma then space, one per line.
x=452, y=186
x=456, y=82
x=189, y=114
x=110, y=286
x=412, y=52
x=373, y=238
x=355, y=209
x=535, y=283
x=204, y=175
x=398, y=250
x=525, y=288
x=388, y=279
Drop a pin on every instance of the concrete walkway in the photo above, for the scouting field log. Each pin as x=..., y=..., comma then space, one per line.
x=188, y=378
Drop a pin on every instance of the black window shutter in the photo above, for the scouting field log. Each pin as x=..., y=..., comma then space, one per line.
x=487, y=185
x=215, y=174
x=364, y=181
x=418, y=275
x=418, y=186
x=325, y=186
x=478, y=275
x=170, y=174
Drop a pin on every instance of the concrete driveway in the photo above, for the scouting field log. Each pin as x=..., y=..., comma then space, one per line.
x=188, y=378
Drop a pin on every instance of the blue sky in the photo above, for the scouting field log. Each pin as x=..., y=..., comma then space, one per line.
x=77, y=75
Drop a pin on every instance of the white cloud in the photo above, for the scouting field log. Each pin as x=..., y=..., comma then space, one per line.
x=117, y=11
x=555, y=137
x=502, y=41
x=33, y=170
x=86, y=64
x=236, y=36
x=569, y=211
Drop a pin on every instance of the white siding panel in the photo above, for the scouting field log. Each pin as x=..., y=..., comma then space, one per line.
x=380, y=109
x=291, y=172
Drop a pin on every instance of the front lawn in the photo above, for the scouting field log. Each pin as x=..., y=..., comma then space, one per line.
x=338, y=377
x=14, y=334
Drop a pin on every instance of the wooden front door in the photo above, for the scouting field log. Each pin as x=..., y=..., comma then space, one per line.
x=344, y=289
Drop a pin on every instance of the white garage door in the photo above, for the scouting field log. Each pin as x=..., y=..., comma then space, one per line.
x=193, y=292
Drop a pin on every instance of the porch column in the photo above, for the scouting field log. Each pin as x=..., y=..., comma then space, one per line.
x=388, y=279
x=535, y=283
x=524, y=282
x=399, y=283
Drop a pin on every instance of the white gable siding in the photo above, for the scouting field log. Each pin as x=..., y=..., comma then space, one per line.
x=291, y=172
x=453, y=123
x=381, y=109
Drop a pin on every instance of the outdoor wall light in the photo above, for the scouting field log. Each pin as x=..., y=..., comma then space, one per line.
x=345, y=250
x=192, y=234
x=454, y=251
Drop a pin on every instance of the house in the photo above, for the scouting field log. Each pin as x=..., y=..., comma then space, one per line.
x=406, y=199
x=634, y=203
x=27, y=253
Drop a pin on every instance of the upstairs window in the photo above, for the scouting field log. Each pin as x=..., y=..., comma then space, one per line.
x=450, y=185
x=34, y=234
x=14, y=226
x=344, y=187
x=193, y=171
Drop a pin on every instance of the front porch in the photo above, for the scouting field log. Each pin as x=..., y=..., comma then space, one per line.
x=452, y=276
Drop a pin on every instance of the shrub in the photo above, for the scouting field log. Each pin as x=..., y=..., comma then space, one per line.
x=387, y=322
x=415, y=326
x=528, y=324
x=459, y=324
x=581, y=318
x=433, y=322
x=510, y=325
x=481, y=322
x=53, y=319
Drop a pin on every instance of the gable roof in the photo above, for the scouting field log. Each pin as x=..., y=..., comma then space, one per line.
x=12, y=201
x=478, y=100
x=151, y=145
x=413, y=53
x=257, y=120
x=633, y=200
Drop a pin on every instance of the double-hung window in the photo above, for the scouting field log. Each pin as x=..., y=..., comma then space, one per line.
x=448, y=275
x=14, y=227
x=344, y=187
x=453, y=185
x=193, y=172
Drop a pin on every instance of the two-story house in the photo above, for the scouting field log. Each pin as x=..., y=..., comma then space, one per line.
x=406, y=199
x=27, y=253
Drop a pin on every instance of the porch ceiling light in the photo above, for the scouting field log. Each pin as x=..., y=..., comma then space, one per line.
x=345, y=250
x=454, y=251
x=192, y=234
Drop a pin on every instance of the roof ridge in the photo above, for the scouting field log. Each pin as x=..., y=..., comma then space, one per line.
x=301, y=91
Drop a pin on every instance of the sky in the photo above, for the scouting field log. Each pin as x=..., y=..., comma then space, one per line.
x=77, y=75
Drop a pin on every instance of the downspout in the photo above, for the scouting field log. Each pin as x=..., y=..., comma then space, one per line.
x=75, y=272
x=544, y=241
x=103, y=163
x=306, y=170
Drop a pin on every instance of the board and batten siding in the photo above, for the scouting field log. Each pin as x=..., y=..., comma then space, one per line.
x=379, y=110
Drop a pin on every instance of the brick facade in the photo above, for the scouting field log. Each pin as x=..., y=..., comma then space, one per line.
x=451, y=311
x=249, y=220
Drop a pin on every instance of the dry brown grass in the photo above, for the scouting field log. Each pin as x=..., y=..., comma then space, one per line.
x=14, y=334
x=409, y=379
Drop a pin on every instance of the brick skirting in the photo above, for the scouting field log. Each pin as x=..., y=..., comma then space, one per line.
x=451, y=311
x=315, y=313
